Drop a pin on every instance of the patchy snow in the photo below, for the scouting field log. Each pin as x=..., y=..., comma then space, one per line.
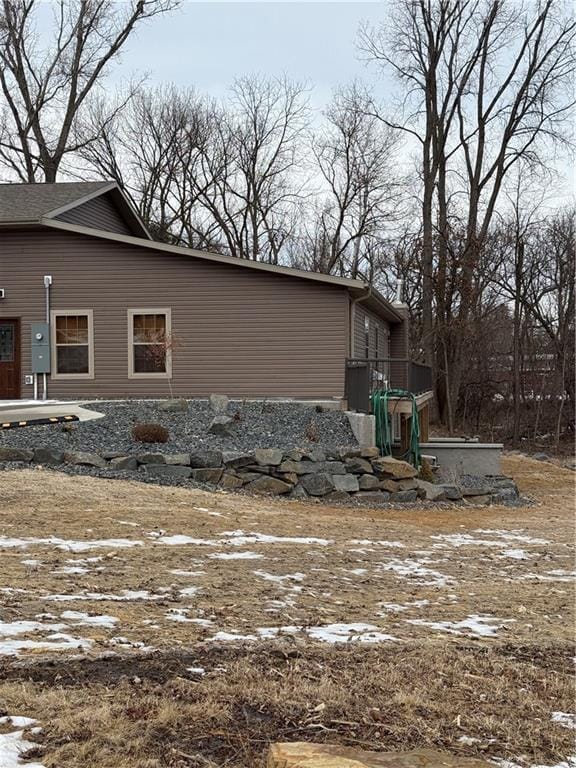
x=239, y=538
x=181, y=615
x=556, y=575
x=196, y=670
x=236, y=556
x=71, y=569
x=514, y=535
x=13, y=744
x=280, y=579
x=515, y=554
x=80, y=618
x=417, y=569
x=189, y=591
x=12, y=628
x=398, y=607
x=178, y=572
x=369, y=542
x=569, y=763
x=329, y=633
x=479, y=626
x=55, y=642
x=126, y=594
x=179, y=539
x=68, y=545
x=31, y=563
x=565, y=719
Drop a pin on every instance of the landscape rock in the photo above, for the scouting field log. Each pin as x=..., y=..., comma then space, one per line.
x=173, y=406
x=337, y=495
x=109, y=455
x=230, y=482
x=399, y=470
x=451, y=492
x=268, y=456
x=314, y=454
x=410, y=484
x=475, y=490
x=349, y=452
x=151, y=458
x=221, y=425
x=15, y=454
x=310, y=755
x=86, y=459
x=370, y=453
x=348, y=483
x=124, y=462
x=404, y=496
x=207, y=475
x=374, y=497
x=236, y=459
x=391, y=486
x=505, y=496
x=430, y=491
x=208, y=458
x=541, y=456
x=182, y=459
x=298, y=492
x=167, y=471
x=483, y=500
x=219, y=403
x=318, y=484
x=368, y=483
x=48, y=456
x=248, y=477
x=313, y=467
x=297, y=454
x=358, y=465
x=269, y=485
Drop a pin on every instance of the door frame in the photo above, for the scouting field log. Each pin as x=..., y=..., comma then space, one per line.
x=17, y=351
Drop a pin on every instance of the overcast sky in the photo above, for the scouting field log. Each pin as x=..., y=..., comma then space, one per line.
x=208, y=44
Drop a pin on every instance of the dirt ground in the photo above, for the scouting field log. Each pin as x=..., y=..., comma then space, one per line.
x=145, y=626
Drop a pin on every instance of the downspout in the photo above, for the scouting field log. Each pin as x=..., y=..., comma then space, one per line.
x=353, y=303
x=47, y=284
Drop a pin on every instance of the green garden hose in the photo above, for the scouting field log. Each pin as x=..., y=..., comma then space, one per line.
x=379, y=401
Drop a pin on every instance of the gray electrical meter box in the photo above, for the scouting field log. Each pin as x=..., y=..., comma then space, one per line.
x=40, y=348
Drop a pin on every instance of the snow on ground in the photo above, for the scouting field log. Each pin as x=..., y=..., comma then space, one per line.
x=13, y=743
x=69, y=545
x=565, y=719
x=479, y=626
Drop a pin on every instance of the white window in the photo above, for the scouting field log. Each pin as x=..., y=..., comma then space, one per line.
x=149, y=343
x=72, y=348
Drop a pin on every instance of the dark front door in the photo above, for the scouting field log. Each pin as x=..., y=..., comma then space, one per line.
x=9, y=359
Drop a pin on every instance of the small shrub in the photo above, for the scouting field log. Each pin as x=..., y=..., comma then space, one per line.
x=312, y=432
x=426, y=472
x=150, y=433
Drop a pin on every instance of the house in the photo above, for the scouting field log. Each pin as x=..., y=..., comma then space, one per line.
x=91, y=306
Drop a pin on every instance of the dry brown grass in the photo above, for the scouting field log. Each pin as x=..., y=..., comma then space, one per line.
x=428, y=689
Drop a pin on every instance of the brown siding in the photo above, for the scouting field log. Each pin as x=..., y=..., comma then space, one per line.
x=98, y=213
x=360, y=313
x=239, y=332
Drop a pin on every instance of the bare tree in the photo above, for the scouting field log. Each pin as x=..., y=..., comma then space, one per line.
x=355, y=155
x=488, y=84
x=45, y=90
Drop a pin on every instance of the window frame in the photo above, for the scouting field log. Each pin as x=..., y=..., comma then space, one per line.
x=54, y=314
x=167, y=312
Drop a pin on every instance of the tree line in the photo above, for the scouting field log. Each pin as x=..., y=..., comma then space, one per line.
x=443, y=187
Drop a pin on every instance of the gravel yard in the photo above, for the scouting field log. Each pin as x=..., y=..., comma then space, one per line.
x=261, y=424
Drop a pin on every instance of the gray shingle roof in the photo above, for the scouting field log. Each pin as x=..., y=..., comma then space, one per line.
x=21, y=203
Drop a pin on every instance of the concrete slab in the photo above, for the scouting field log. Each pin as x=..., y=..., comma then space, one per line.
x=47, y=410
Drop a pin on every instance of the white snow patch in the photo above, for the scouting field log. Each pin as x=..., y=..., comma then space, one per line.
x=515, y=554
x=55, y=642
x=480, y=626
x=68, y=545
x=178, y=572
x=80, y=618
x=126, y=594
x=71, y=569
x=12, y=628
x=239, y=538
x=31, y=562
x=329, y=633
x=514, y=535
x=180, y=614
x=279, y=579
x=565, y=719
x=189, y=591
x=368, y=542
x=569, y=763
x=417, y=569
x=231, y=636
x=398, y=607
x=13, y=744
x=196, y=670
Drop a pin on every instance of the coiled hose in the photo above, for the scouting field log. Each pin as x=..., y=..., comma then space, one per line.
x=379, y=401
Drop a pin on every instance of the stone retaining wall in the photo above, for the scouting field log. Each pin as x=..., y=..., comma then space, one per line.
x=333, y=475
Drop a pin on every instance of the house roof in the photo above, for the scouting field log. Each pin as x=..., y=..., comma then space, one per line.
x=25, y=204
